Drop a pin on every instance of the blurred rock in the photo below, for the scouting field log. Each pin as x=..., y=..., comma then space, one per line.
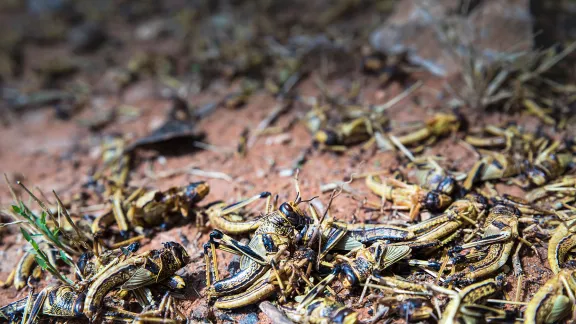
x=433, y=31
x=45, y=6
x=153, y=29
x=86, y=38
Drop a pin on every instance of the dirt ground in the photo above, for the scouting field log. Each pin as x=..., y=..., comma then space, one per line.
x=49, y=153
x=56, y=155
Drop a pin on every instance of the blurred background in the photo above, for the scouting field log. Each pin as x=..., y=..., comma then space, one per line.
x=85, y=47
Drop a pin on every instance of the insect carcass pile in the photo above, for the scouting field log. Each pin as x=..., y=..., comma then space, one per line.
x=455, y=258
x=430, y=239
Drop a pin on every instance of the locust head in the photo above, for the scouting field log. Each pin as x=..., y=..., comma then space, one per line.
x=348, y=276
x=293, y=213
x=480, y=202
x=178, y=251
x=447, y=185
x=196, y=191
x=326, y=137
x=437, y=201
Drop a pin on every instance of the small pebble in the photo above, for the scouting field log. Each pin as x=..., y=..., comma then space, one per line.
x=251, y=318
x=286, y=173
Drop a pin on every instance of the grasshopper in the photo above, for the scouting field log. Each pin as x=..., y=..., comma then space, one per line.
x=60, y=301
x=358, y=265
x=133, y=273
x=147, y=209
x=321, y=311
x=492, y=166
x=433, y=177
x=275, y=235
x=343, y=236
x=462, y=211
x=153, y=207
x=89, y=265
x=500, y=232
x=549, y=164
x=431, y=231
x=554, y=301
x=511, y=139
x=408, y=197
x=407, y=300
x=563, y=240
x=412, y=308
x=564, y=188
x=441, y=124
x=461, y=306
x=356, y=131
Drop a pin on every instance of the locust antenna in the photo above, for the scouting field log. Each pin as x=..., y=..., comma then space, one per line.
x=297, y=186
x=307, y=200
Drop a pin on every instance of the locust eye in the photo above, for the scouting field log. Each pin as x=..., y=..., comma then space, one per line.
x=348, y=277
x=133, y=247
x=191, y=188
x=447, y=185
x=79, y=305
x=290, y=214
x=170, y=244
x=537, y=176
x=331, y=138
x=83, y=261
x=344, y=316
x=432, y=201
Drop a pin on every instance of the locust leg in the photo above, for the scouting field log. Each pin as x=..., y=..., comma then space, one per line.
x=144, y=297
x=328, y=237
x=117, y=315
x=219, y=220
x=393, y=285
x=254, y=268
x=435, y=265
x=210, y=259
x=450, y=238
x=24, y=269
x=10, y=280
x=36, y=306
x=492, y=239
x=239, y=205
x=475, y=174
x=259, y=291
x=119, y=214
x=175, y=282
x=414, y=211
x=518, y=271
x=319, y=287
x=229, y=244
